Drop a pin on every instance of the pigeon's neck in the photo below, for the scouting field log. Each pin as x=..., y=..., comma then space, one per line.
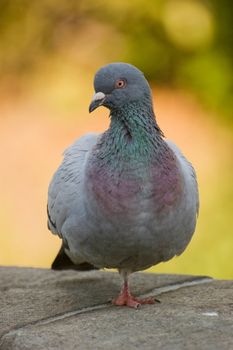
x=133, y=132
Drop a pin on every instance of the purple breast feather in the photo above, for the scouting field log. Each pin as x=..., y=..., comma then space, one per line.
x=116, y=192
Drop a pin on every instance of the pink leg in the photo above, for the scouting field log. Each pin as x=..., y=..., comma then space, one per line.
x=125, y=298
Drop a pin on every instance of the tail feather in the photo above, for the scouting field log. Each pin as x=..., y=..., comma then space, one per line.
x=63, y=262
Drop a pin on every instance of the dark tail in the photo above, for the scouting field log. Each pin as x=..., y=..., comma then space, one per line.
x=63, y=262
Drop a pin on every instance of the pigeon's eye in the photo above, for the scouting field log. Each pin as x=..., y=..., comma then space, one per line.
x=120, y=84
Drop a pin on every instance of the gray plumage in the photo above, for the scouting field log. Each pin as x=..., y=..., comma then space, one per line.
x=127, y=198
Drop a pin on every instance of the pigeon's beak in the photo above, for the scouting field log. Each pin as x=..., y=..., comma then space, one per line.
x=97, y=101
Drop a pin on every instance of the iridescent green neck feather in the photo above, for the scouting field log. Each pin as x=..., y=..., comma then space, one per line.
x=133, y=135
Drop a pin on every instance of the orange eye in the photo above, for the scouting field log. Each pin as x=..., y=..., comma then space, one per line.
x=120, y=84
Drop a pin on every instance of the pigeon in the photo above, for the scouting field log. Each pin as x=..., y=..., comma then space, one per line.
x=126, y=198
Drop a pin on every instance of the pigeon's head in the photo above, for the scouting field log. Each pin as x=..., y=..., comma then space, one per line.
x=118, y=84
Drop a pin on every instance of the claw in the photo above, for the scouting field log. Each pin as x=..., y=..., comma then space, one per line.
x=126, y=299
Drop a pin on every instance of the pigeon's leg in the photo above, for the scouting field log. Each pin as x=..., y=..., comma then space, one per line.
x=126, y=298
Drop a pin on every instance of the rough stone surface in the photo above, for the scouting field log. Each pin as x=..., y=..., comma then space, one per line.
x=44, y=309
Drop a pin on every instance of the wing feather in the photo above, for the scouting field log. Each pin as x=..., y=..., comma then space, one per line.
x=65, y=186
x=189, y=172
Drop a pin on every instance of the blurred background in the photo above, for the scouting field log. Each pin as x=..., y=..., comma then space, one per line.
x=49, y=52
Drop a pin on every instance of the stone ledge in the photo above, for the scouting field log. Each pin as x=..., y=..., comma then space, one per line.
x=45, y=309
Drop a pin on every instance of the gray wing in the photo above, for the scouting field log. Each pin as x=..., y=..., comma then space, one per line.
x=65, y=188
x=189, y=174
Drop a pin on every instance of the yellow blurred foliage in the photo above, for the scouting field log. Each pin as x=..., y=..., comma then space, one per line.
x=49, y=52
x=33, y=136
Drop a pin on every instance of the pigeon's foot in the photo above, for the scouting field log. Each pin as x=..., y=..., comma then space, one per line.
x=126, y=299
x=131, y=301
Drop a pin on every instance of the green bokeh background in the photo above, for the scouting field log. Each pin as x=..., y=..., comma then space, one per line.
x=49, y=51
